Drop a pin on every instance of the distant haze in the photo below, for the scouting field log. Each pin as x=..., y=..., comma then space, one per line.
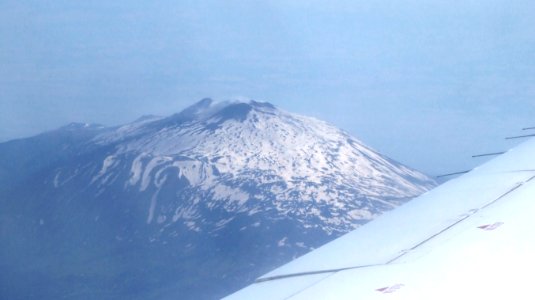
x=428, y=83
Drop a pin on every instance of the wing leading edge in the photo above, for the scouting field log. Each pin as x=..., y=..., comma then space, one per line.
x=470, y=237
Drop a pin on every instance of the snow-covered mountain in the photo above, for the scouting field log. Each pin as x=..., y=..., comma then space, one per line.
x=191, y=206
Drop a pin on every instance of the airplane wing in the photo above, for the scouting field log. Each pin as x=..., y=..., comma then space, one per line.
x=471, y=238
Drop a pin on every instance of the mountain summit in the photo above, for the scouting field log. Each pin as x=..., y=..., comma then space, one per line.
x=193, y=205
x=250, y=157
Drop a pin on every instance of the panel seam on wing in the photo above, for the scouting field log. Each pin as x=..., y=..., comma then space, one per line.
x=264, y=279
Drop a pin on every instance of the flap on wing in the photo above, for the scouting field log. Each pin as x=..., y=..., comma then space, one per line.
x=402, y=229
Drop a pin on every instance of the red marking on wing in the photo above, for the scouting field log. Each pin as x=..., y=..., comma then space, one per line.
x=490, y=227
x=390, y=289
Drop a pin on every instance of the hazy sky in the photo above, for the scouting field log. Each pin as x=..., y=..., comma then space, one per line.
x=428, y=83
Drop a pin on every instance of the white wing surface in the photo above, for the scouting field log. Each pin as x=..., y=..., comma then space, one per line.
x=470, y=238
